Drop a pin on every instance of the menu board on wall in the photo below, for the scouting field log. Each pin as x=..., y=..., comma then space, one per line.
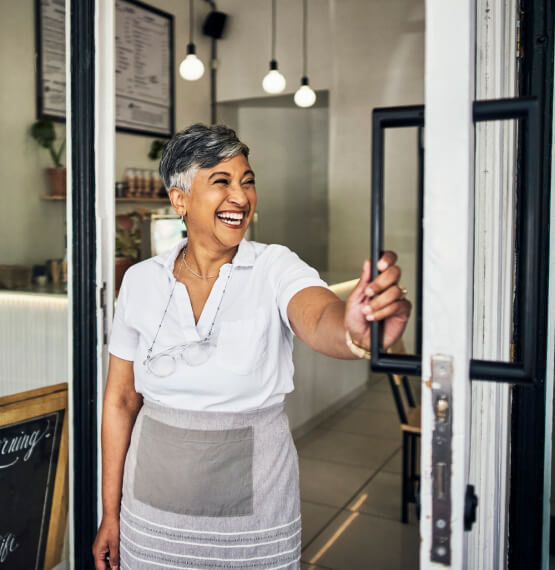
x=144, y=69
x=144, y=66
x=51, y=61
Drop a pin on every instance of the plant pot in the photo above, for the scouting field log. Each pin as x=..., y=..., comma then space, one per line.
x=57, y=180
x=122, y=265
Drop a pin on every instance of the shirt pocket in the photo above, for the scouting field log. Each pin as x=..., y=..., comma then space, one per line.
x=243, y=343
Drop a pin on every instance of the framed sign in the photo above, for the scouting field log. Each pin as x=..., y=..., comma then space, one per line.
x=33, y=478
x=144, y=69
x=51, y=59
x=145, y=91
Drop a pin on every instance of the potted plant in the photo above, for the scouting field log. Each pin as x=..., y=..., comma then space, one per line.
x=44, y=133
x=128, y=242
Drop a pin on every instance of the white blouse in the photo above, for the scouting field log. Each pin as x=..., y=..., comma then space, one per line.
x=252, y=364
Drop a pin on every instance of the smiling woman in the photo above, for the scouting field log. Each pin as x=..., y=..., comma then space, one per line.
x=199, y=467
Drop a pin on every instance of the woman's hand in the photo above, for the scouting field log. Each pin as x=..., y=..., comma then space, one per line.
x=382, y=299
x=106, y=545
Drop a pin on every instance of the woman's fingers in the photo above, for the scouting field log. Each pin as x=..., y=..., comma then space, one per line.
x=99, y=555
x=383, y=281
x=114, y=555
x=389, y=296
x=388, y=258
x=397, y=308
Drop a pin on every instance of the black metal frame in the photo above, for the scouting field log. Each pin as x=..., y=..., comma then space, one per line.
x=524, y=372
x=528, y=403
x=152, y=132
x=83, y=261
x=389, y=117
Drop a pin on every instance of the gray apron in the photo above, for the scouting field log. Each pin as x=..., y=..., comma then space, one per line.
x=210, y=490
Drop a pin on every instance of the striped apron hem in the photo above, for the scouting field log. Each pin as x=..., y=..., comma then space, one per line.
x=210, y=490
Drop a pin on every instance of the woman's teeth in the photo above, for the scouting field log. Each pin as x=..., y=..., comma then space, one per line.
x=233, y=218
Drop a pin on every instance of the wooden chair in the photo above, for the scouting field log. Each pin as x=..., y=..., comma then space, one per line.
x=409, y=418
x=409, y=413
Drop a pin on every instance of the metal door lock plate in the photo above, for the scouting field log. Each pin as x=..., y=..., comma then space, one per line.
x=442, y=376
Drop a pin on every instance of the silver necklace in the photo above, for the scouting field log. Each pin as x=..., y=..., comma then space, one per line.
x=202, y=341
x=192, y=270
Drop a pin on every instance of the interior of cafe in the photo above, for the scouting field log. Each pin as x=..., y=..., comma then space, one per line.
x=312, y=172
x=312, y=165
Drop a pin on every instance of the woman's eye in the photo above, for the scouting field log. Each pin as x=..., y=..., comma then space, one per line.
x=248, y=182
x=221, y=181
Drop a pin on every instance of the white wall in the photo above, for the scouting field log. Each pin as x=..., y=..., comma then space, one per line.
x=245, y=51
x=368, y=53
x=291, y=175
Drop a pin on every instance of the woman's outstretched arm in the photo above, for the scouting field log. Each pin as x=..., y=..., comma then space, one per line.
x=319, y=318
x=121, y=406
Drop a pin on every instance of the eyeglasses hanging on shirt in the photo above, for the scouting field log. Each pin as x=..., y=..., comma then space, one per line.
x=195, y=353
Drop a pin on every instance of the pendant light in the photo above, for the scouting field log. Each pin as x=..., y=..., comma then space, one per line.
x=273, y=81
x=305, y=96
x=191, y=68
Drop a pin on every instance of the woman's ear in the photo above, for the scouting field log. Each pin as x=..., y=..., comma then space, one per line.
x=178, y=200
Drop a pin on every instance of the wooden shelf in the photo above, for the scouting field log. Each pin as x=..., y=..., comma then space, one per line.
x=137, y=199
x=48, y=197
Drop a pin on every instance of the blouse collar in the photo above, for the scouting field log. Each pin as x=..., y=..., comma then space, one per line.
x=243, y=258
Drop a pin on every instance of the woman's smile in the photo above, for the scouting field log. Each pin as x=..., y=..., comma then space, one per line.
x=231, y=218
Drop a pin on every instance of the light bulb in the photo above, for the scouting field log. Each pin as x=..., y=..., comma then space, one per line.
x=305, y=96
x=191, y=68
x=273, y=82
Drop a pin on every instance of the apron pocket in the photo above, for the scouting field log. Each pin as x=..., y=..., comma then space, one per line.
x=195, y=472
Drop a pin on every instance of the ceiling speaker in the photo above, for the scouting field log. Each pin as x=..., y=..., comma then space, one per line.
x=214, y=25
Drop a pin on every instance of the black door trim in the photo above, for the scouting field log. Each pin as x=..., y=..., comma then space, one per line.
x=528, y=403
x=83, y=281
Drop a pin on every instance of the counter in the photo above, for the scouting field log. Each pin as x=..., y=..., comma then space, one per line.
x=33, y=340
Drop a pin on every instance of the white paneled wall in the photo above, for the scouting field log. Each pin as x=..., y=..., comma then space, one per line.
x=33, y=341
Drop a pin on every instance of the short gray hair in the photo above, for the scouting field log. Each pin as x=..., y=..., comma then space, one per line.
x=198, y=146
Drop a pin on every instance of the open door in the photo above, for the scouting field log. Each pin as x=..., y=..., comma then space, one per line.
x=484, y=322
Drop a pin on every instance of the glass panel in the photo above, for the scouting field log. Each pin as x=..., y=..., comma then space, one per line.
x=34, y=372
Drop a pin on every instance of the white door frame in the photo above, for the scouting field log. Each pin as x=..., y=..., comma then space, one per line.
x=105, y=150
x=448, y=249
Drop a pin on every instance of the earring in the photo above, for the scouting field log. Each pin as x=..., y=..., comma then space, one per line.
x=183, y=219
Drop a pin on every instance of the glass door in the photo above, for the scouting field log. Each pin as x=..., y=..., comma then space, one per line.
x=35, y=311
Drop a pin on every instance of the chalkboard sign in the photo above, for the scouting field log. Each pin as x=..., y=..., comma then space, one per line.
x=33, y=478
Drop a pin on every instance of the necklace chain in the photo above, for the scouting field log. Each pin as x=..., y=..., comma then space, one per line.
x=192, y=270
x=149, y=352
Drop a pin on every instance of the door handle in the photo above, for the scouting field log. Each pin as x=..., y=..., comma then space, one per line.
x=527, y=308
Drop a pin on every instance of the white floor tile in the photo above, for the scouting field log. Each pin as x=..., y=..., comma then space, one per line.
x=355, y=541
x=347, y=448
x=329, y=483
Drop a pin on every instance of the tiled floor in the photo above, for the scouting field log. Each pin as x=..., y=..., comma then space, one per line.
x=351, y=489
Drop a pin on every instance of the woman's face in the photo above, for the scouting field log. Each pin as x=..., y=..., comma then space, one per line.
x=221, y=203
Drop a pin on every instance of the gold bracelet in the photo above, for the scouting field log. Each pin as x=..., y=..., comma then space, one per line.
x=355, y=348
